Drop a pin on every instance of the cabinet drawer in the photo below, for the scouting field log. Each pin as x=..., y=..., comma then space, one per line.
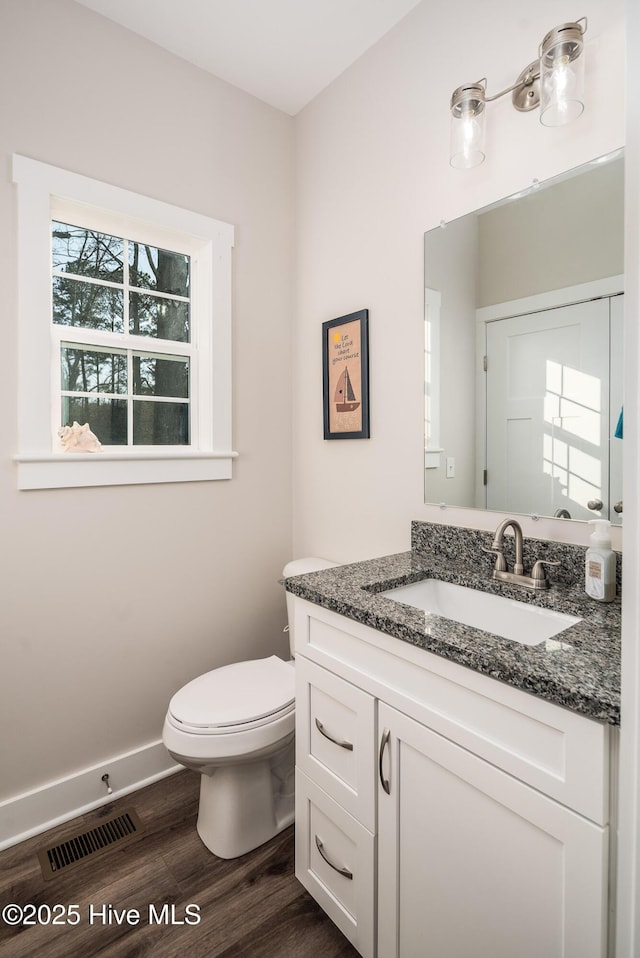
x=335, y=738
x=335, y=863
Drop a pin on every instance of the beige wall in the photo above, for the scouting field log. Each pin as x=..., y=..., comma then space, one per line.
x=450, y=255
x=373, y=175
x=563, y=237
x=110, y=598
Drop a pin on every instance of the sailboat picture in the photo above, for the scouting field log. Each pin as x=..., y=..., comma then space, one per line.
x=345, y=379
x=344, y=397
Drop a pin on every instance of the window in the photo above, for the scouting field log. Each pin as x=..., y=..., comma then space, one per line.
x=130, y=334
x=110, y=294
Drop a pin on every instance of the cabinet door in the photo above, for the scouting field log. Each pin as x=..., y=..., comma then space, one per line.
x=474, y=862
x=335, y=738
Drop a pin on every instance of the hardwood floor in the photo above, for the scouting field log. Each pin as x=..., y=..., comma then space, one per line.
x=249, y=907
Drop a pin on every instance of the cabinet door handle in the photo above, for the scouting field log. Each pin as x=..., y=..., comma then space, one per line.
x=336, y=868
x=336, y=741
x=383, y=744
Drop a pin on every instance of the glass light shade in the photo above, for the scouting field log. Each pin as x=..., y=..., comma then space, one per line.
x=467, y=127
x=467, y=140
x=561, y=76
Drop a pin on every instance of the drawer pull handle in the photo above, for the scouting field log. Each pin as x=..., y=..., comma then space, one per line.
x=383, y=744
x=323, y=854
x=323, y=731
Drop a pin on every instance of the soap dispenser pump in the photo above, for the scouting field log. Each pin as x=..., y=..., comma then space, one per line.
x=600, y=563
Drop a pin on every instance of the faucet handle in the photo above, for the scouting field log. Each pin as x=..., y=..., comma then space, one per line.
x=537, y=572
x=501, y=562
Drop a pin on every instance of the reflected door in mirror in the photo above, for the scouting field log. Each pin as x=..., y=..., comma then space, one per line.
x=548, y=411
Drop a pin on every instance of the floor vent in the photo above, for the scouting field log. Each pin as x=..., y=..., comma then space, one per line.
x=115, y=830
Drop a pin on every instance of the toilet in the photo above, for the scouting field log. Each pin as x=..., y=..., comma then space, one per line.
x=235, y=726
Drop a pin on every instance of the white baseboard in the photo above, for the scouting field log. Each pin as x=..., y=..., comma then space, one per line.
x=36, y=811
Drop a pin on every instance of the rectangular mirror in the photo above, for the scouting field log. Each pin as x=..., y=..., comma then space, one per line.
x=523, y=350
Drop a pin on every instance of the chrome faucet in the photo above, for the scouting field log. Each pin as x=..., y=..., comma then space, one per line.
x=498, y=544
x=537, y=579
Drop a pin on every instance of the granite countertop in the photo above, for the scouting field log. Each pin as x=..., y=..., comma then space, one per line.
x=578, y=669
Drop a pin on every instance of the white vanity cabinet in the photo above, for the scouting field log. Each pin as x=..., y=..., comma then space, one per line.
x=442, y=814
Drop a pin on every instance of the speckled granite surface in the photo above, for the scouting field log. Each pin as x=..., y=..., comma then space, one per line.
x=578, y=669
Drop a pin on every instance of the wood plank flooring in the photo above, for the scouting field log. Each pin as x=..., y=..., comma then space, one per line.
x=249, y=907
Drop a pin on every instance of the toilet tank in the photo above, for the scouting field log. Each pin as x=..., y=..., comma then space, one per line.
x=300, y=567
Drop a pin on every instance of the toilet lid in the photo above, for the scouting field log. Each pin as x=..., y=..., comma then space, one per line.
x=236, y=694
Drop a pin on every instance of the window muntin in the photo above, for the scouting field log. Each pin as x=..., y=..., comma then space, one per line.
x=115, y=289
x=92, y=369
x=127, y=397
x=109, y=282
x=159, y=317
x=85, y=252
x=107, y=418
x=159, y=269
x=87, y=305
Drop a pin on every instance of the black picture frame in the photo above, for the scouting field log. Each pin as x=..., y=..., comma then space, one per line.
x=345, y=376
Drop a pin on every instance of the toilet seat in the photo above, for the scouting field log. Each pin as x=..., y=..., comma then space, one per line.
x=235, y=698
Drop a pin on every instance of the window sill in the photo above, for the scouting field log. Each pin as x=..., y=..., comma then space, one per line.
x=68, y=470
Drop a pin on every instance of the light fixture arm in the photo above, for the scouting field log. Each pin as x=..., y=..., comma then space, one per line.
x=526, y=77
x=473, y=96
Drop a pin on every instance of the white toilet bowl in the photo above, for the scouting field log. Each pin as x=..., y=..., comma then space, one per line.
x=235, y=725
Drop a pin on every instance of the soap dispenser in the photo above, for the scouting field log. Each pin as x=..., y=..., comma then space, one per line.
x=600, y=564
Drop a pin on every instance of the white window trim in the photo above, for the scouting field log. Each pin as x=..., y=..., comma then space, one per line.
x=42, y=187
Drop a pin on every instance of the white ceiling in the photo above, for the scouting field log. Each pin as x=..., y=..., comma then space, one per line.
x=282, y=51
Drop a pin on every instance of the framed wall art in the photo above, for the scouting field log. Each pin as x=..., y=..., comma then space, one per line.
x=345, y=380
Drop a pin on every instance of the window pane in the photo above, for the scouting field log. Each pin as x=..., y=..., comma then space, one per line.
x=93, y=370
x=87, y=306
x=158, y=269
x=156, y=376
x=107, y=418
x=87, y=252
x=162, y=318
x=160, y=423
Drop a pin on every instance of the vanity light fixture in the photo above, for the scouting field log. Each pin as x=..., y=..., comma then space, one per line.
x=554, y=82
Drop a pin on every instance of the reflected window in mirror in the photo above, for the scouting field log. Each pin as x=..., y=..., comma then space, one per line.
x=432, y=448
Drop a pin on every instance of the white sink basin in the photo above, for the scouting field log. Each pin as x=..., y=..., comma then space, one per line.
x=523, y=623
